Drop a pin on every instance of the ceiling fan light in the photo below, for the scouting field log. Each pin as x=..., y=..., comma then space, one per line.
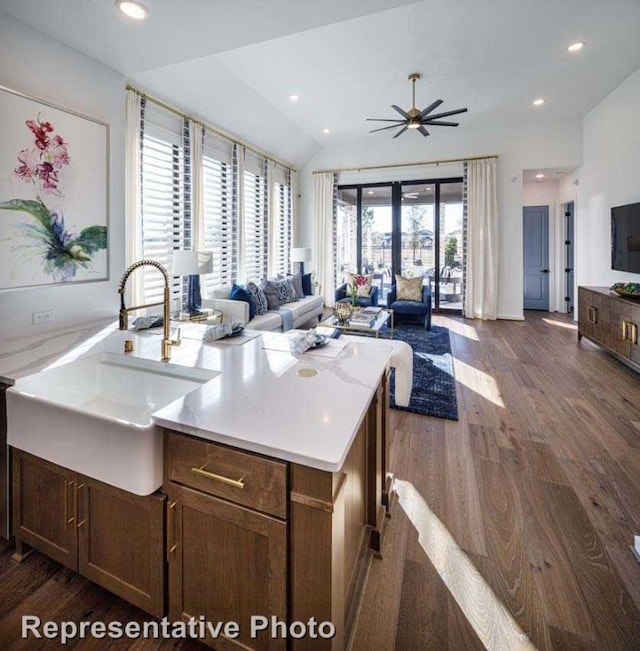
x=132, y=9
x=414, y=125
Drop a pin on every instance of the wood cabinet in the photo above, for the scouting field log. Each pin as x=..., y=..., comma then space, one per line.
x=110, y=536
x=252, y=535
x=226, y=537
x=5, y=525
x=611, y=321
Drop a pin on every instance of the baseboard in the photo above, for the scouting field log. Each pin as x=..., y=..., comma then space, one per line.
x=511, y=317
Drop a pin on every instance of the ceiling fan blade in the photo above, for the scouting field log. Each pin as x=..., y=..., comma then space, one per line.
x=431, y=107
x=403, y=113
x=401, y=132
x=382, y=120
x=447, y=113
x=440, y=123
x=423, y=131
x=393, y=126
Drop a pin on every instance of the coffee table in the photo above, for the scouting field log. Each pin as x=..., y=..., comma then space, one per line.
x=362, y=329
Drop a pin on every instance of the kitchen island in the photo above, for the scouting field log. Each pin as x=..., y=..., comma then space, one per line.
x=274, y=474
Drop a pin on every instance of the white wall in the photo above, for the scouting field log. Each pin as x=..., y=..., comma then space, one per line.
x=518, y=148
x=37, y=65
x=610, y=176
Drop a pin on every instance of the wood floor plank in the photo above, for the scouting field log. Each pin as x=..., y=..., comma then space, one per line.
x=612, y=609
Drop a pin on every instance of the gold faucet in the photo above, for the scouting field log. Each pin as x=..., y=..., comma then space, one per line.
x=167, y=342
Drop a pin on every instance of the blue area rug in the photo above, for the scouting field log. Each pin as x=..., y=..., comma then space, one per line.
x=434, y=384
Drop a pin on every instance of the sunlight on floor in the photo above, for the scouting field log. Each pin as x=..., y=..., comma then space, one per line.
x=488, y=616
x=479, y=381
x=459, y=328
x=561, y=324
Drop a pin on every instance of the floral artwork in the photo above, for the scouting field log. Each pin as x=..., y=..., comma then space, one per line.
x=52, y=222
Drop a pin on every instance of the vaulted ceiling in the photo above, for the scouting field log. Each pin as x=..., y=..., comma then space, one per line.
x=235, y=62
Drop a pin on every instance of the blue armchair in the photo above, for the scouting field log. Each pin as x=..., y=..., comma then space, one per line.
x=413, y=309
x=363, y=301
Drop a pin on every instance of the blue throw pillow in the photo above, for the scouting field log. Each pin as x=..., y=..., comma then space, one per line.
x=258, y=298
x=307, y=287
x=239, y=293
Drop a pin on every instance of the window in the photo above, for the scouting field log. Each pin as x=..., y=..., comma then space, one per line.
x=219, y=232
x=282, y=237
x=162, y=207
x=254, y=221
x=242, y=210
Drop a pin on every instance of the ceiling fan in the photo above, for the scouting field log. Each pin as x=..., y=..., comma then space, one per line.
x=416, y=119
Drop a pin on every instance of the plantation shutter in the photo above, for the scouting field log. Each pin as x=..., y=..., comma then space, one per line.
x=162, y=206
x=219, y=229
x=254, y=217
x=281, y=237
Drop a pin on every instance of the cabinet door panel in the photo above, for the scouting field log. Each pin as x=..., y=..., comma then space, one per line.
x=44, y=507
x=229, y=563
x=619, y=312
x=121, y=543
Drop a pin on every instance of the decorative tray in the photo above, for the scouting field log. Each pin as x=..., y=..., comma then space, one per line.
x=628, y=290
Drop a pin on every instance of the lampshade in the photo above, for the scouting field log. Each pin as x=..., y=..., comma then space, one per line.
x=301, y=254
x=184, y=263
x=192, y=263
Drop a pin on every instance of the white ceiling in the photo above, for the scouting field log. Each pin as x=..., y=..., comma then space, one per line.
x=235, y=62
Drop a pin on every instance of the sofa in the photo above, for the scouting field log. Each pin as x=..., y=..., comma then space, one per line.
x=303, y=310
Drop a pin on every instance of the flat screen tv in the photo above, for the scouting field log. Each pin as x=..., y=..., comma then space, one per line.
x=625, y=238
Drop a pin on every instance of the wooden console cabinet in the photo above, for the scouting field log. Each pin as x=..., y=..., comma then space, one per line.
x=110, y=536
x=611, y=321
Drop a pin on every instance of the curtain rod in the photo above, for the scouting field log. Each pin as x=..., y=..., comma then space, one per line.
x=213, y=129
x=428, y=162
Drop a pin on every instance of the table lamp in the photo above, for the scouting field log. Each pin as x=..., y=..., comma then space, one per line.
x=301, y=255
x=193, y=264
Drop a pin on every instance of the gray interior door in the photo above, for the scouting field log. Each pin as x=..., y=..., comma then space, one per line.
x=536, y=257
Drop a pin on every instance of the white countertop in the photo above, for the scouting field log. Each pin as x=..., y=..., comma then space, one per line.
x=260, y=401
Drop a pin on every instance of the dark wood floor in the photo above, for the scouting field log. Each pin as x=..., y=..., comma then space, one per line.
x=514, y=523
x=513, y=526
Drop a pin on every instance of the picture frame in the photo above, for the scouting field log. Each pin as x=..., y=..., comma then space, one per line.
x=54, y=194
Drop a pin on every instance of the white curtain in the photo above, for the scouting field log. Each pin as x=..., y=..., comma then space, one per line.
x=196, y=137
x=481, y=282
x=323, y=250
x=133, y=194
x=272, y=217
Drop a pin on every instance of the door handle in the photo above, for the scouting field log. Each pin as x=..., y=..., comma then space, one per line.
x=568, y=271
x=545, y=271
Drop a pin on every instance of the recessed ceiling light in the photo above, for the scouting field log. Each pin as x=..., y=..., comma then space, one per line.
x=576, y=47
x=293, y=98
x=539, y=176
x=133, y=9
x=429, y=188
x=538, y=102
x=370, y=192
x=326, y=131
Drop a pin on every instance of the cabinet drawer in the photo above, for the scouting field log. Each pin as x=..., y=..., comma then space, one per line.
x=237, y=476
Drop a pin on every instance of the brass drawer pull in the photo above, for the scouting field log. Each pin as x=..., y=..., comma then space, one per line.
x=236, y=483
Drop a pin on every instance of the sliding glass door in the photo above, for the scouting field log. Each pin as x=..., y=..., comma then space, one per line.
x=413, y=228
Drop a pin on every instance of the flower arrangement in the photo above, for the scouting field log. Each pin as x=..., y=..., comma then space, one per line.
x=62, y=252
x=358, y=281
